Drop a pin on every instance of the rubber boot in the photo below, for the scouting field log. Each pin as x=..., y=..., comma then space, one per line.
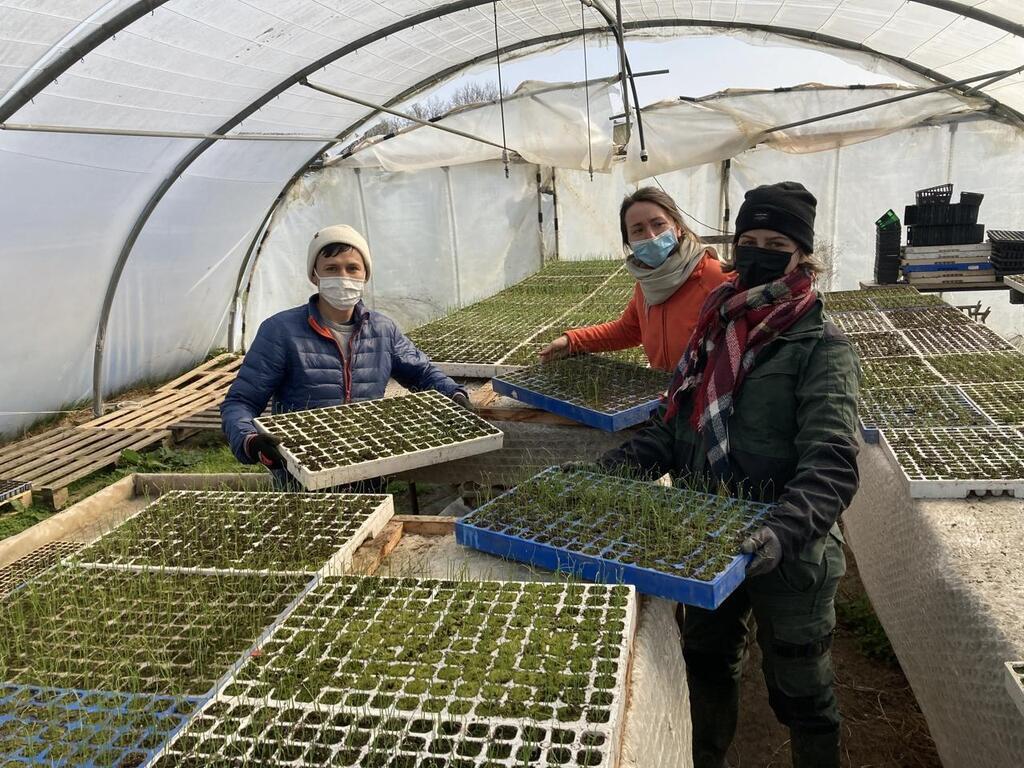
x=714, y=710
x=814, y=750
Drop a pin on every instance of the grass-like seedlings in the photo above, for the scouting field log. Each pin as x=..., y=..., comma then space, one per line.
x=135, y=632
x=238, y=530
x=942, y=406
x=428, y=672
x=896, y=372
x=979, y=367
x=593, y=381
x=676, y=531
x=328, y=438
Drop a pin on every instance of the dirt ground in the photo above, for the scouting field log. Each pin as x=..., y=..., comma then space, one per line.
x=882, y=724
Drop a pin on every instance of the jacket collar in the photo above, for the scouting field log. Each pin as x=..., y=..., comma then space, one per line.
x=316, y=320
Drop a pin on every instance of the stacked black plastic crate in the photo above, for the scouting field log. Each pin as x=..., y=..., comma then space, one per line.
x=1007, y=251
x=936, y=221
x=887, y=248
x=945, y=241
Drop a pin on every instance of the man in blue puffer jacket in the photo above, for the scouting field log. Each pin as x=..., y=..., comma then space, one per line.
x=332, y=350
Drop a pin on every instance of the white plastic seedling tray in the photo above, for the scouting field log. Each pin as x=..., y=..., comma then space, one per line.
x=954, y=463
x=880, y=344
x=861, y=321
x=238, y=531
x=949, y=339
x=925, y=252
x=1015, y=281
x=1003, y=402
x=938, y=406
x=34, y=563
x=475, y=370
x=368, y=671
x=1015, y=683
x=328, y=447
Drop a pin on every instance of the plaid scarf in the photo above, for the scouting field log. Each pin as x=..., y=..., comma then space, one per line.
x=734, y=325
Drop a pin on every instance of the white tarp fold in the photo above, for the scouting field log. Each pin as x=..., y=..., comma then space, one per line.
x=681, y=134
x=546, y=124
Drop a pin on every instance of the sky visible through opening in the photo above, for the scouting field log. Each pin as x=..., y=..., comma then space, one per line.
x=697, y=66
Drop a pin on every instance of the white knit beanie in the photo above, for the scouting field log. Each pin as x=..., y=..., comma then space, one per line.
x=339, y=233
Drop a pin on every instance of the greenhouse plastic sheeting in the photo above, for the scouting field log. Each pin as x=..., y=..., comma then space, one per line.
x=435, y=244
x=678, y=133
x=60, y=238
x=236, y=66
x=560, y=109
x=177, y=288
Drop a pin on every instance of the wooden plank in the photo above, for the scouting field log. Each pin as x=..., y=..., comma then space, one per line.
x=156, y=412
x=86, y=461
x=427, y=525
x=526, y=415
x=484, y=396
x=32, y=446
x=368, y=558
x=81, y=443
x=145, y=411
x=226, y=362
x=26, y=466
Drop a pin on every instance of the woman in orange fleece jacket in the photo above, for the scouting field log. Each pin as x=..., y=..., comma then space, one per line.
x=674, y=273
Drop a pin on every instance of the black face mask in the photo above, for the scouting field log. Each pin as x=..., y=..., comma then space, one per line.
x=757, y=266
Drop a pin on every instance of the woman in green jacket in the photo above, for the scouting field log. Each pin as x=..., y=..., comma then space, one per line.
x=764, y=403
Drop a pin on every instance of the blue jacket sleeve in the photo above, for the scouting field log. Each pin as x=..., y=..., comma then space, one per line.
x=259, y=377
x=413, y=369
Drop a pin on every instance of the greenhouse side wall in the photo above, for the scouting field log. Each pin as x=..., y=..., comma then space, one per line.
x=439, y=238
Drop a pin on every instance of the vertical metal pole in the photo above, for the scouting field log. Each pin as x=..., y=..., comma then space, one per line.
x=554, y=205
x=723, y=204
x=454, y=235
x=833, y=267
x=540, y=218
x=950, y=152
x=622, y=67
x=366, y=230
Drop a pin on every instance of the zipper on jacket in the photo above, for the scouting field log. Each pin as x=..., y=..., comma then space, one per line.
x=346, y=373
x=345, y=366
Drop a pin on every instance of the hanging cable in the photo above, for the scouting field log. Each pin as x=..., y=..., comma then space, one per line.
x=586, y=85
x=688, y=214
x=501, y=92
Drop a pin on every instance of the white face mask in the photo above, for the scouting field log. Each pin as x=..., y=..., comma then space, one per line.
x=341, y=292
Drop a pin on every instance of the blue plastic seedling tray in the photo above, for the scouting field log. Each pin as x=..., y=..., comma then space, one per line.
x=951, y=267
x=692, y=591
x=607, y=421
x=83, y=717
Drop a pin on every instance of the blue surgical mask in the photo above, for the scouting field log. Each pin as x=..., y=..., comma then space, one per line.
x=654, y=251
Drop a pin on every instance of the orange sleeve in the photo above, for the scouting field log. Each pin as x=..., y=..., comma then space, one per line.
x=618, y=334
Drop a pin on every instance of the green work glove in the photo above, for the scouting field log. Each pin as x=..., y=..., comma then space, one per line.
x=766, y=548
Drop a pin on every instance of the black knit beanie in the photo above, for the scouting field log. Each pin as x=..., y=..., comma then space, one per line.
x=786, y=207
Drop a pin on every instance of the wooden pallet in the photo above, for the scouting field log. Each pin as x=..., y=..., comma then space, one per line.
x=206, y=420
x=213, y=375
x=54, y=460
x=158, y=411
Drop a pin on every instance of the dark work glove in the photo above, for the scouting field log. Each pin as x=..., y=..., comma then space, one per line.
x=461, y=399
x=263, y=448
x=764, y=545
